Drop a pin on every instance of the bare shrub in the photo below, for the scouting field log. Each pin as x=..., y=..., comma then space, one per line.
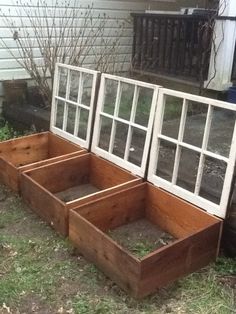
x=67, y=33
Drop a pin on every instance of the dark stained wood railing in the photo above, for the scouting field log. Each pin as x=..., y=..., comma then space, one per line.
x=177, y=45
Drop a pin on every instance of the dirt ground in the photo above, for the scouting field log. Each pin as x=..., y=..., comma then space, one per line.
x=41, y=273
x=141, y=237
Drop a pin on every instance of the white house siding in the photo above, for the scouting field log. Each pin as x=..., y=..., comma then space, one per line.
x=114, y=9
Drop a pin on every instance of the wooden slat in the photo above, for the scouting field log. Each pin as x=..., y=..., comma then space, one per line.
x=179, y=259
x=105, y=174
x=62, y=175
x=58, y=146
x=116, y=209
x=9, y=174
x=48, y=207
x=174, y=215
x=105, y=253
x=26, y=149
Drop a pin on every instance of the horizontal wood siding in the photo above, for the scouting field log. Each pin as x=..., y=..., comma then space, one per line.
x=114, y=10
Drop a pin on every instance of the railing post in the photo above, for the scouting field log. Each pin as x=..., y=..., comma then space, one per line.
x=223, y=46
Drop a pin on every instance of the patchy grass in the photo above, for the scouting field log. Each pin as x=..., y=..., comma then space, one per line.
x=41, y=273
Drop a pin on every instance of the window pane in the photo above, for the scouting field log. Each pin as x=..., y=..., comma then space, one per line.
x=105, y=133
x=126, y=100
x=213, y=179
x=172, y=115
x=74, y=85
x=221, y=131
x=83, y=123
x=63, y=73
x=166, y=159
x=110, y=96
x=71, y=118
x=121, y=133
x=188, y=168
x=195, y=123
x=137, y=146
x=87, y=89
x=143, y=106
x=59, y=114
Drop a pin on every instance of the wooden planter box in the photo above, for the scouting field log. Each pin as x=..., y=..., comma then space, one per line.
x=32, y=151
x=197, y=235
x=53, y=189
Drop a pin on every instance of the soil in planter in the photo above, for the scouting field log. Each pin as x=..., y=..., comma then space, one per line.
x=76, y=192
x=141, y=237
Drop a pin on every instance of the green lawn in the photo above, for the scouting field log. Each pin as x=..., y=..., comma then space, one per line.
x=41, y=273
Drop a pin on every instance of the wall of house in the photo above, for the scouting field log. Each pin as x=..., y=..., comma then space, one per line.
x=116, y=10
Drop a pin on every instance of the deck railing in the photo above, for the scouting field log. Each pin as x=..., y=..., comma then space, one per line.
x=177, y=45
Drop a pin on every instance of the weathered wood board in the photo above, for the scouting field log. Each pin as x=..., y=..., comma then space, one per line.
x=27, y=152
x=197, y=235
x=42, y=188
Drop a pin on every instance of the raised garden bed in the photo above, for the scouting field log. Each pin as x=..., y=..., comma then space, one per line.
x=182, y=237
x=24, y=153
x=53, y=189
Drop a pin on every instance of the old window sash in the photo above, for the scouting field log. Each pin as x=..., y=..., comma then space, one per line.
x=73, y=103
x=177, y=140
x=131, y=156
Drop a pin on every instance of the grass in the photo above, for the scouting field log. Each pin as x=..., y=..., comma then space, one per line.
x=40, y=270
x=41, y=273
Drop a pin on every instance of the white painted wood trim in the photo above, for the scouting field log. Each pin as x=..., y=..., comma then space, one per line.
x=62, y=132
x=193, y=197
x=123, y=162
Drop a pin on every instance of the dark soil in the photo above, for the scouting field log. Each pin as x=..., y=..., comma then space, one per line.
x=76, y=192
x=141, y=237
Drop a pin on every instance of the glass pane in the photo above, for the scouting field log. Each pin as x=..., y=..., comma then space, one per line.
x=137, y=146
x=143, y=106
x=126, y=100
x=83, y=123
x=221, y=131
x=188, y=168
x=121, y=133
x=71, y=118
x=195, y=123
x=166, y=159
x=172, y=115
x=213, y=179
x=74, y=85
x=110, y=96
x=59, y=114
x=87, y=89
x=63, y=73
x=105, y=133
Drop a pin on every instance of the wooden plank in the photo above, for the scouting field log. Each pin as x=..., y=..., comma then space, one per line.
x=50, y=161
x=117, y=263
x=9, y=174
x=62, y=175
x=175, y=215
x=178, y=259
x=24, y=150
x=102, y=193
x=45, y=204
x=58, y=146
x=105, y=174
x=116, y=209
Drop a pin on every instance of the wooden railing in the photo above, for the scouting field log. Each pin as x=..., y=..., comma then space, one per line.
x=177, y=45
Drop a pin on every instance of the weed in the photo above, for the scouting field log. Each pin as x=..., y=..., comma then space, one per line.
x=141, y=249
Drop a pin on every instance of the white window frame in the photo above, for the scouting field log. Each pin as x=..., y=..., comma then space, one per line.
x=123, y=162
x=193, y=197
x=55, y=97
